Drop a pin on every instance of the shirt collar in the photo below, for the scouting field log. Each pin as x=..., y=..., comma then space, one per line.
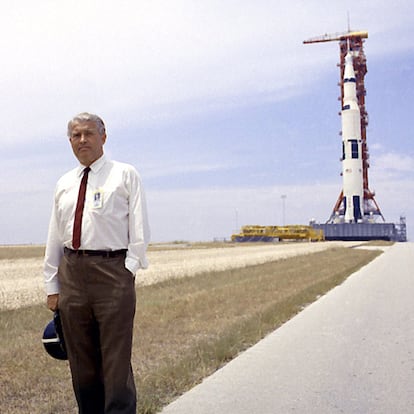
x=95, y=166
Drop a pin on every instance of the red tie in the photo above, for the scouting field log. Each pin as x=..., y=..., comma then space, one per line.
x=79, y=210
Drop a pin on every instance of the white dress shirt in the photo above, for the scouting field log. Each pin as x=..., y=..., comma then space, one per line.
x=114, y=216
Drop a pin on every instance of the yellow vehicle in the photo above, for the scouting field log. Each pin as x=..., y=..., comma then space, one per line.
x=252, y=233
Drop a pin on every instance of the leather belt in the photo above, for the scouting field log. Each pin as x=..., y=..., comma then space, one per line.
x=102, y=253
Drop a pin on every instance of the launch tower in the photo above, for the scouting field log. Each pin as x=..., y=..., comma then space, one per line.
x=355, y=212
x=351, y=45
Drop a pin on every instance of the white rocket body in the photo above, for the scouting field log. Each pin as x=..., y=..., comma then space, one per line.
x=352, y=175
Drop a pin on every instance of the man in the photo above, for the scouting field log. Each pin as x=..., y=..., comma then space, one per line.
x=98, y=236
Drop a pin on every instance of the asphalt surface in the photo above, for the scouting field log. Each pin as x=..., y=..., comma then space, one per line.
x=352, y=351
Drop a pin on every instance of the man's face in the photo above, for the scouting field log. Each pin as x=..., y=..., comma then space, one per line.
x=87, y=143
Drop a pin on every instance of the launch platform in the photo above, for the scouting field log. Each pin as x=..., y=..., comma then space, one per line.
x=363, y=231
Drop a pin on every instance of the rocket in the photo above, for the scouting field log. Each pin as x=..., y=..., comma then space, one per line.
x=352, y=174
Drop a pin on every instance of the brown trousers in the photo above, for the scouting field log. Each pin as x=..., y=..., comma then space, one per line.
x=97, y=307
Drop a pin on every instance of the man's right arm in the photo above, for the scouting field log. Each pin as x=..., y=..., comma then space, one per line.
x=53, y=302
x=53, y=256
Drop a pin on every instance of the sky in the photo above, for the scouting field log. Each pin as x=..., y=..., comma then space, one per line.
x=218, y=104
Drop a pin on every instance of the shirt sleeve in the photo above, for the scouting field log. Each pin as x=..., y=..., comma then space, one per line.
x=53, y=255
x=138, y=226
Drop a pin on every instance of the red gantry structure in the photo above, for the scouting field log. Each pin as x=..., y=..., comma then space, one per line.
x=353, y=41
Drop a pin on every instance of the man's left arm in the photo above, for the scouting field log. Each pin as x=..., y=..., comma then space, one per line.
x=138, y=226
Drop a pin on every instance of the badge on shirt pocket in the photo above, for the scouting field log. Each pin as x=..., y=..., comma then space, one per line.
x=98, y=198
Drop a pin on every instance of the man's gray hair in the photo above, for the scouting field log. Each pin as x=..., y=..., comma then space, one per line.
x=86, y=117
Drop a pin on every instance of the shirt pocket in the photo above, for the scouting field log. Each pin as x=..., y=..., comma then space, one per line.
x=100, y=201
x=106, y=201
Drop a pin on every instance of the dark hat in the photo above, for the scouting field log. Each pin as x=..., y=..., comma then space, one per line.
x=53, y=340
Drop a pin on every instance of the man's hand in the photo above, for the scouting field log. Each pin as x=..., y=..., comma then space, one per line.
x=53, y=302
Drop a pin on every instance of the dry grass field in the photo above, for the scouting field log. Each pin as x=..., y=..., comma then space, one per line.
x=21, y=280
x=197, y=309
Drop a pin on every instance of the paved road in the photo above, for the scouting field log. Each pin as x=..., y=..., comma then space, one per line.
x=352, y=351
